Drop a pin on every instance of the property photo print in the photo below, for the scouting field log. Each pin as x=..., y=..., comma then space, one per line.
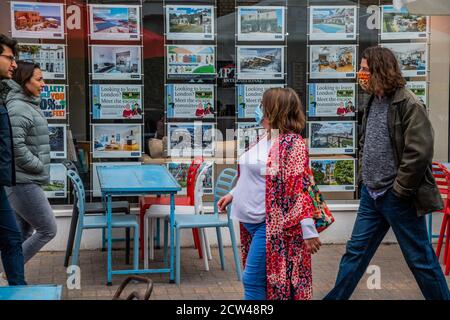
x=332, y=62
x=179, y=170
x=96, y=191
x=114, y=22
x=117, y=140
x=188, y=60
x=332, y=23
x=331, y=100
x=260, y=62
x=51, y=58
x=111, y=101
x=249, y=97
x=419, y=88
x=58, y=139
x=412, y=57
x=261, y=23
x=190, y=22
x=190, y=101
x=37, y=20
x=57, y=188
x=53, y=101
x=247, y=135
x=111, y=62
x=186, y=139
x=400, y=24
x=331, y=137
x=334, y=175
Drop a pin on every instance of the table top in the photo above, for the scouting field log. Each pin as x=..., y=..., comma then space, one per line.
x=139, y=178
x=35, y=292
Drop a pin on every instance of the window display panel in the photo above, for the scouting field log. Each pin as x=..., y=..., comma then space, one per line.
x=57, y=188
x=334, y=175
x=188, y=60
x=419, y=88
x=249, y=97
x=247, y=134
x=58, y=140
x=110, y=62
x=117, y=140
x=331, y=137
x=412, y=57
x=332, y=23
x=116, y=101
x=260, y=62
x=331, y=100
x=191, y=139
x=53, y=101
x=51, y=58
x=261, y=23
x=190, y=101
x=399, y=24
x=332, y=62
x=190, y=22
x=179, y=170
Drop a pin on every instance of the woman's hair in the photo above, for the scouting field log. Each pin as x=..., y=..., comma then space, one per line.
x=386, y=75
x=24, y=73
x=283, y=109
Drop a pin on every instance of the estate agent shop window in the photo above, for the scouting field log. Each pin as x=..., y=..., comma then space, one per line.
x=128, y=80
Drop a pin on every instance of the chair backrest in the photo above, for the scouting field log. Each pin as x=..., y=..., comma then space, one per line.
x=78, y=186
x=442, y=177
x=198, y=190
x=224, y=184
x=191, y=178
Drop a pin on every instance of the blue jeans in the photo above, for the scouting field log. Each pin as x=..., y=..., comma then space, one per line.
x=10, y=243
x=373, y=221
x=254, y=277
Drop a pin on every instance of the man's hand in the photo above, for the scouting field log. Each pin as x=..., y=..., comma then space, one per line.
x=224, y=202
x=313, y=244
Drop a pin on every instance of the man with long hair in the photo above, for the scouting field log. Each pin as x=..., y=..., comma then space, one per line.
x=10, y=236
x=397, y=185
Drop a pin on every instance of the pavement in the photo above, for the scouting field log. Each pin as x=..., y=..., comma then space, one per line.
x=396, y=280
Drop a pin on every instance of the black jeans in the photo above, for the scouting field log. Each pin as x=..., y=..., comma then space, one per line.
x=373, y=221
x=10, y=243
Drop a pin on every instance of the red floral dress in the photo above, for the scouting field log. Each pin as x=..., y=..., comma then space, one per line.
x=288, y=262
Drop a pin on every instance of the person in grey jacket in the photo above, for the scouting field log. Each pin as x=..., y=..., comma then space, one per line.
x=32, y=159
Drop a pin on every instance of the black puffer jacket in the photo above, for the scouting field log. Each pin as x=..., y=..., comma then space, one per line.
x=7, y=171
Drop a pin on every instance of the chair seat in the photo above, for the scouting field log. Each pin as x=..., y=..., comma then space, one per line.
x=162, y=211
x=199, y=221
x=118, y=221
x=97, y=207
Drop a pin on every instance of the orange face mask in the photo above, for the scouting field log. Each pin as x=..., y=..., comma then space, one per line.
x=364, y=79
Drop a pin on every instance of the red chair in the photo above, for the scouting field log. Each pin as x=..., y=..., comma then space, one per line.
x=146, y=202
x=442, y=177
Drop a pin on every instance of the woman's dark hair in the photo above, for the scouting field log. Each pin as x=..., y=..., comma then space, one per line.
x=386, y=75
x=24, y=72
x=7, y=42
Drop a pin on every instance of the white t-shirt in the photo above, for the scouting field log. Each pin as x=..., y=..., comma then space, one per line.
x=249, y=194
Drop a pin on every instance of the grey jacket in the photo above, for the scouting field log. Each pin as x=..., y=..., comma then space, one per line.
x=30, y=136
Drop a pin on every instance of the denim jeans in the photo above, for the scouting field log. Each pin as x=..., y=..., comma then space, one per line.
x=33, y=212
x=10, y=243
x=254, y=277
x=373, y=221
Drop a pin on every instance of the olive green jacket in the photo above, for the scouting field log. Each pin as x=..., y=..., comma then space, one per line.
x=412, y=139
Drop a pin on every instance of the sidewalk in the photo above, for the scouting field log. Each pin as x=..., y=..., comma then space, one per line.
x=397, y=281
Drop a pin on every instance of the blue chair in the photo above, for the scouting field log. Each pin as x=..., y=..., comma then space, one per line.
x=225, y=182
x=31, y=292
x=99, y=221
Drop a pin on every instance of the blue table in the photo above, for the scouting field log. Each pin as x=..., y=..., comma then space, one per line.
x=37, y=292
x=135, y=181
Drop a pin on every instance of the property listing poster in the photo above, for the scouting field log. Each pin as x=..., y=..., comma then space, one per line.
x=334, y=175
x=332, y=62
x=186, y=139
x=116, y=101
x=332, y=23
x=58, y=140
x=37, y=20
x=327, y=137
x=260, y=62
x=51, y=58
x=190, y=22
x=57, y=188
x=249, y=97
x=419, y=88
x=96, y=191
x=400, y=24
x=261, y=23
x=412, y=57
x=190, y=101
x=179, y=171
x=117, y=140
x=247, y=134
x=114, y=22
x=53, y=101
x=331, y=100
x=189, y=60
x=111, y=62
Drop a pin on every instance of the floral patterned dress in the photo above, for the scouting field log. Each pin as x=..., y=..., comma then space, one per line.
x=288, y=262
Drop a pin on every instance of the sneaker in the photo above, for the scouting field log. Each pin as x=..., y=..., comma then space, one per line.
x=3, y=281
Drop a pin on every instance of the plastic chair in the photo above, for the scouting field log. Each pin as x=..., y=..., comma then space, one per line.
x=225, y=182
x=99, y=221
x=94, y=208
x=442, y=176
x=156, y=212
x=146, y=202
x=135, y=295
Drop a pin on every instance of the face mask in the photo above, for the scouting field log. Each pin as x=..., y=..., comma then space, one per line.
x=364, y=79
x=259, y=114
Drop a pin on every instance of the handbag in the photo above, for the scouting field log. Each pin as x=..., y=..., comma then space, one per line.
x=322, y=216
